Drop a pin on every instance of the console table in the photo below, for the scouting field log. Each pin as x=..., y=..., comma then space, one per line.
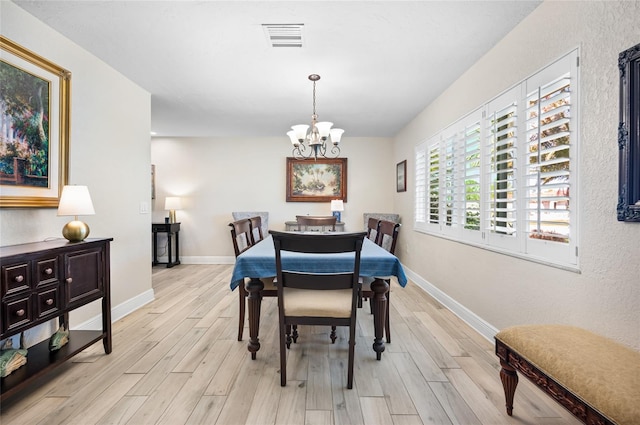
x=293, y=226
x=170, y=229
x=43, y=281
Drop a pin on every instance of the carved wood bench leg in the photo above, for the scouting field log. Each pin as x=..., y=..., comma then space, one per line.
x=509, y=379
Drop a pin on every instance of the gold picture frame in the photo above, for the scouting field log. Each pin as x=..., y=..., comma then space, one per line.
x=34, y=151
x=316, y=180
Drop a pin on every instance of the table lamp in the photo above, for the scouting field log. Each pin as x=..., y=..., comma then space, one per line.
x=172, y=203
x=75, y=201
x=336, y=207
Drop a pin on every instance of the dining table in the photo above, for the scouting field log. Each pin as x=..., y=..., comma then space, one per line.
x=259, y=261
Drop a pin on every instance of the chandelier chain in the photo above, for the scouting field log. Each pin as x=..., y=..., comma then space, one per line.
x=314, y=98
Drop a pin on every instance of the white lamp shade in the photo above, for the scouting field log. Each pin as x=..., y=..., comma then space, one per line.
x=323, y=128
x=336, y=135
x=337, y=205
x=300, y=130
x=172, y=203
x=292, y=136
x=75, y=200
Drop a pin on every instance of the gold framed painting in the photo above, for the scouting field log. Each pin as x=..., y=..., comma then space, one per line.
x=34, y=128
x=316, y=180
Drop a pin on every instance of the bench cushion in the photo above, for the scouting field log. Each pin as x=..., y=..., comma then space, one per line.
x=602, y=372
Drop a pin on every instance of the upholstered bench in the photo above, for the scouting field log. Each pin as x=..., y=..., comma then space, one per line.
x=595, y=378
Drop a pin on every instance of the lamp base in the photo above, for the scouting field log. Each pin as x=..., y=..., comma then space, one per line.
x=75, y=231
x=172, y=216
x=337, y=215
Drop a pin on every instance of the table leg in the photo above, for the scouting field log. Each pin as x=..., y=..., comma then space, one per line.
x=254, y=299
x=177, y=248
x=169, y=237
x=155, y=248
x=380, y=288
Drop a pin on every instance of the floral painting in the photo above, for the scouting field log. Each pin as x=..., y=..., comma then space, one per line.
x=24, y=120
x=34, y=128
x=316, y=180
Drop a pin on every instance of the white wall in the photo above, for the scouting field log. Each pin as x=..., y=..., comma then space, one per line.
x=109, y=152
x=503, y=290
x=218, y=176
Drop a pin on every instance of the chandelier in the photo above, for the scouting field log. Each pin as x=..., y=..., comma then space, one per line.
x=315, y=136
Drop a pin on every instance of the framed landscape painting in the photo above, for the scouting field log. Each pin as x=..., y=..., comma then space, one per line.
x=34, y=128
x=319, y=180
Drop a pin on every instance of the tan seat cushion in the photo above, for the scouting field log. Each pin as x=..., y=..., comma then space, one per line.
x=602, y=372
x=317, y=303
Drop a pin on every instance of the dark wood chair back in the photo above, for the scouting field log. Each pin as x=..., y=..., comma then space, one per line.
x=301, y=280
x=304, y=221
x=256, y=228
x=241, y=235
x=388, y=235
x=372, y=228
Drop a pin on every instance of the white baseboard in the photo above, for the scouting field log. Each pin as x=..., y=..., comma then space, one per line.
x=119, y=311
x=469, y=317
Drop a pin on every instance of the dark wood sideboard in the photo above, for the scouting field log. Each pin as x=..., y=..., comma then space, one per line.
x=43, y=281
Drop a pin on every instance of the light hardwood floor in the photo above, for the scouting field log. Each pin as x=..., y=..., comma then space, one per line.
x=177, y=361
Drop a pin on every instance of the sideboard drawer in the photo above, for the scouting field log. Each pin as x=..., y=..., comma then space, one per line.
x=15, y=278
x=48, y=271
x=48, y=301
x=17, y=312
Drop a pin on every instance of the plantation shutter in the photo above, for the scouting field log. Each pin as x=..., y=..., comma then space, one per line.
x=433, y=181
x=501, y=147
x=548, y=161
x=420, y=205
x=470, y=144
x=450, y=182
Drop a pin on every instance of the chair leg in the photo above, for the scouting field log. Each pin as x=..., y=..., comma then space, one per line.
x=283, y=357
x=352, y=346
x=333, y=335
x=242, y=294
x=295, y=334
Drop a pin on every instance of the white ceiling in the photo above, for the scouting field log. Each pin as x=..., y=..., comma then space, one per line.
x=211, y=71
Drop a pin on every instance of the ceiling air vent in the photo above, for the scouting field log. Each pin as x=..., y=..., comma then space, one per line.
x=284, y=35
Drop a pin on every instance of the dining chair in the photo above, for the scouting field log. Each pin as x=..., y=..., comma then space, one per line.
x=386, y=237
x=304, y=221
x=242, y=237
x=306, y=298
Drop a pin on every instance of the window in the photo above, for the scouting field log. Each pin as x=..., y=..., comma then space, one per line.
x=501, y=177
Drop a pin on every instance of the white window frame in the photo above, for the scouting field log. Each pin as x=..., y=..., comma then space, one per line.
x=452, y=179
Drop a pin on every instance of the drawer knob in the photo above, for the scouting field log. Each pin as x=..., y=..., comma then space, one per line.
x=20, y=313
x=48, y=271
x=69, y=280
x=18, y=278
x=49, y=301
